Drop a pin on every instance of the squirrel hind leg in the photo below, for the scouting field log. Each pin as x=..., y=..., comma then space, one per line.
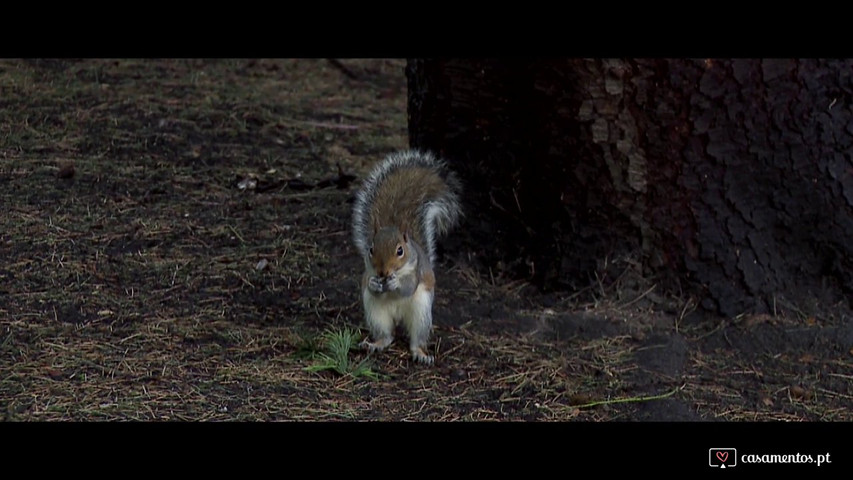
x=419, y=325
x=380, y=322
x=420, y=356
x=376, y=346
x=381, y=328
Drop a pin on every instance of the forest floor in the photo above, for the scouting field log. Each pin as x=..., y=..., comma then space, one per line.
x=175, y=243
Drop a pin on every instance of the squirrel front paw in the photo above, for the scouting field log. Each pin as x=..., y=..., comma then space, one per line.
x=392, y=283
x=375, y=285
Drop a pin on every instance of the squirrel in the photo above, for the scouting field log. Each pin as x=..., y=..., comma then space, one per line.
x=408, y=201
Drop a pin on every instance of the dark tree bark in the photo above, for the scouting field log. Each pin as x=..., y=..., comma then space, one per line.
x=734, y=176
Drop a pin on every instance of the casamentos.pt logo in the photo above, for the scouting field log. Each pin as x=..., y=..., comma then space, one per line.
x=722, y=457
x=728, y=458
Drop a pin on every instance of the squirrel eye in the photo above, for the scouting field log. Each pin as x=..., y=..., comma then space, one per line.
x=399, y=250
x=371, y=251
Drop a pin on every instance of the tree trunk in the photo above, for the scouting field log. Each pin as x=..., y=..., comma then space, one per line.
x=734, y=176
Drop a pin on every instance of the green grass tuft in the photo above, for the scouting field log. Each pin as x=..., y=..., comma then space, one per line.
x=336, y=345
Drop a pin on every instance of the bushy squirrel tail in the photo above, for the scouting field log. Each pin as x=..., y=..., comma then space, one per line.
x=435, y=216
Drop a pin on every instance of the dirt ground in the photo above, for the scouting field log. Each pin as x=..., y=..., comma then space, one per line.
x=175, y=239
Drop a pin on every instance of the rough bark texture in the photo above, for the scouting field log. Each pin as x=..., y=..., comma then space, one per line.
x=733, y=175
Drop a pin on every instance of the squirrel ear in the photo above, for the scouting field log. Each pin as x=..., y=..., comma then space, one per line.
x=404, y=228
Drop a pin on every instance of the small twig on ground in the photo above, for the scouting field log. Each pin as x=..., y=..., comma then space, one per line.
x=233, y=230
x=629, y=400
x=639, y=298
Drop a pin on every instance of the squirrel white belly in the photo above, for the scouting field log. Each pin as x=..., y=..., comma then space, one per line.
x=407, y=202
